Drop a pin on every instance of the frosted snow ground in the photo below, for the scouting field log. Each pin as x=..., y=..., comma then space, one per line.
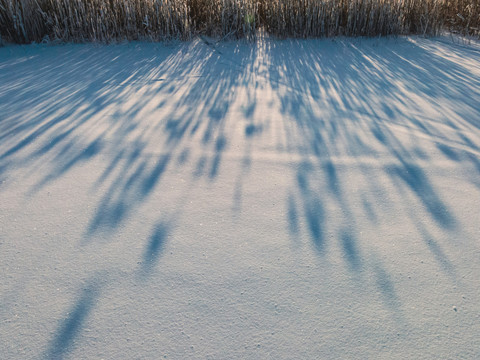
x=289, y=199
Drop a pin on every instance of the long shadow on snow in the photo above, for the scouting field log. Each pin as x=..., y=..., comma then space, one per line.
x=154, y=248
x=138, y=106
x=73, y=110
x=64, y=339
x=351, y=102
x=144, y=110
x=318, y=83
x=51, y=122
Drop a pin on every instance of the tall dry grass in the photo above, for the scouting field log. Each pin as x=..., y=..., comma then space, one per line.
x=24, y=21
x=307, y=18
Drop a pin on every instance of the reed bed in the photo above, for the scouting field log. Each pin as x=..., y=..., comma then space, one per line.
x=25, y=21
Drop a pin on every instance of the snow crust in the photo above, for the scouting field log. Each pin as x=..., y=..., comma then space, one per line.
x=290, y=199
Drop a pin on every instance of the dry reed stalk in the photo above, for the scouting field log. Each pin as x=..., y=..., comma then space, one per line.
x=23, y=21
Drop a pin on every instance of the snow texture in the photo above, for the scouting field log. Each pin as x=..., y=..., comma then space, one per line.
x=313, y=199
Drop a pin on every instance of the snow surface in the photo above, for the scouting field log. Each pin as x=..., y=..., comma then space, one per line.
x=311, y=199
